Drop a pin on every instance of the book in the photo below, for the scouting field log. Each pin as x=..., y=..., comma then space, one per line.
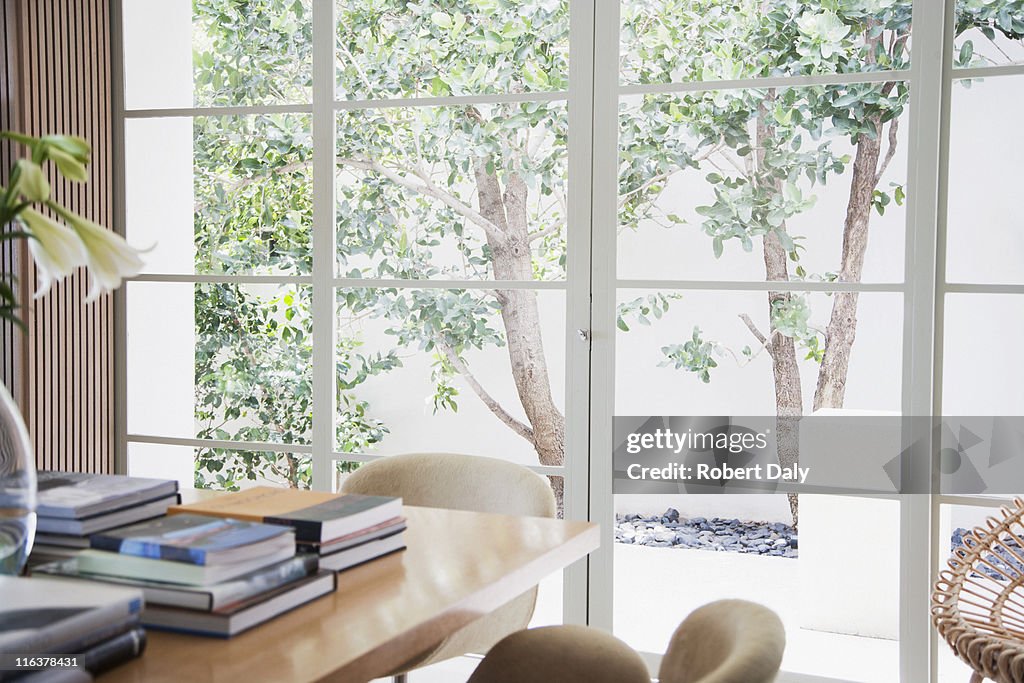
x=364, y=552
x=43, y=615
x=82, y=526
x=98, y=635
x=254, y=504
x=74, y=495
x=231, y=621
x=203, y=598
x=315, y=516
x=381, y=530
x=167, y=571
x=342, y=515
x=63, y=540
x=41, y=551
x=196, y=539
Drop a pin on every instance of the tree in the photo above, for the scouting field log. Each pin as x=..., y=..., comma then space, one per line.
x=486, y=183
x=769, y=147
x=478, y=192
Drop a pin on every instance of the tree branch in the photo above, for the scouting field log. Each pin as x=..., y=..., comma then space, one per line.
x=246, y=182
x=489, y=401
x=541, y=234
x=643, y=187
x=430, y=189
x=757, y=334
x=889, y=153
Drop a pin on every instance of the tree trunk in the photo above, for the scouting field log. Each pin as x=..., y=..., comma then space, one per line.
x=842, y=326
x=785, y=370
x=511, y=260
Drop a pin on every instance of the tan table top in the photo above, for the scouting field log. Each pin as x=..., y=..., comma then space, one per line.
x=457, y=567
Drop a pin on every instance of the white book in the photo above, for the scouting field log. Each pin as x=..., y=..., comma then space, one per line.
x=40, y=615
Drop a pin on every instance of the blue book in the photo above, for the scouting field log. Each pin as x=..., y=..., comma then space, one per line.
x=196, y=539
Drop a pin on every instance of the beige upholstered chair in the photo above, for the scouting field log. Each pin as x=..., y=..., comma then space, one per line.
x=729, y=641
x=561, y=654
x=462, y=482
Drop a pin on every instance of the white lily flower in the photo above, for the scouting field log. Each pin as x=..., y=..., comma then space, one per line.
x=32, y=181
x=56, y=249
x=109, y=257
x=69, y=166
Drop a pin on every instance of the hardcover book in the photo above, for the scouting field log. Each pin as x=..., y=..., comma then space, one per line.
x=364, y=552
x=167, y=571
x=196, y=539
x=317, y=517
x=74, y=495
x=205, y=598
x=228, y=622
x=382, y=530
x=339, y=516
x=43, y=615
x=107, y=520
x=254, y=504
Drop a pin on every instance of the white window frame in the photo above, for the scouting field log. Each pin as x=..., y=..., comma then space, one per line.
x=591, y=283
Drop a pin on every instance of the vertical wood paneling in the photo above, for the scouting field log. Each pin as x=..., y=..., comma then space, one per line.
x=12, y=359
x=57, y=58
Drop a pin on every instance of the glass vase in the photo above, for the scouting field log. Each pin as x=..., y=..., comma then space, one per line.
x=17, y=488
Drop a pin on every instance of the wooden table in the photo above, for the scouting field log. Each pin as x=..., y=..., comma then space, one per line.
x=457, y=567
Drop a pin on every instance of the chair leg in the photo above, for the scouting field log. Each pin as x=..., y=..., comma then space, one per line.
x=975, y=678
x=400, y=678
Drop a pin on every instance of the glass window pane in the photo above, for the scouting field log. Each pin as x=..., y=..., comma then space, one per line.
x=395, y=48
x=980, y=373
x=429, y=370
x=218, y=468
x=988, y=33
x=660, y=367
x=710, y=182
x=985, y=226
x=180, y=53
x=232, y=195
x=695, y=549
x=475, y=193
x=665, y=41
x=232, y=362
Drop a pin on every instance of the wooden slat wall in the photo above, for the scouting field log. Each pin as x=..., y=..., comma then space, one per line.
x=63, y=86
x=12, y=360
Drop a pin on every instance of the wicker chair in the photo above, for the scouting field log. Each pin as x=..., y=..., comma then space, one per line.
x=978, y=603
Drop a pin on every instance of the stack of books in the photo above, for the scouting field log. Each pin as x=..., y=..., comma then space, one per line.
x=97, y=625
x=200, y=575
x=343, y=530
x=73, y=505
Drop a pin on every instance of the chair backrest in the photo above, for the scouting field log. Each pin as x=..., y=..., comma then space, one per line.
x=562, y=654
x=729, y=641
x=978, y=603
x=459, y=482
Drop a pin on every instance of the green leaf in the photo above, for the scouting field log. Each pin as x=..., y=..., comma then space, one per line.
x=621, y=324
x=441, y=19
x=718, y=246
x=966, y=52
